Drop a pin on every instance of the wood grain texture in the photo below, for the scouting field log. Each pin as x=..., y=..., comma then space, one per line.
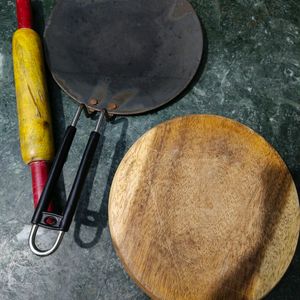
x=34, y=114
x=202, y=207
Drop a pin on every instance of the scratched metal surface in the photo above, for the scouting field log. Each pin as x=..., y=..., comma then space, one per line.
x=121, y=54
x=252, y=74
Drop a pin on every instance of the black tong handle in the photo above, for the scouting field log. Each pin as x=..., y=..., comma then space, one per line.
x=62, y=222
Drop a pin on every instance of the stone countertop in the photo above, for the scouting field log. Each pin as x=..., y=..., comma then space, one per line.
x=251, y=74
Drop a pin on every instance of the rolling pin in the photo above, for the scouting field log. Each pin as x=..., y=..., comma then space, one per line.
x=35, y=129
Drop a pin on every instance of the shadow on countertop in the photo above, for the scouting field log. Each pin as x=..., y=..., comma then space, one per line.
x=98, y=219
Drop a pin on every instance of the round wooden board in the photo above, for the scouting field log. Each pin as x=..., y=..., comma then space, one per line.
x=202, y=207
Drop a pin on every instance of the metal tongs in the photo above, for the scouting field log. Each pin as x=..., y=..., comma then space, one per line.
x=52, y=221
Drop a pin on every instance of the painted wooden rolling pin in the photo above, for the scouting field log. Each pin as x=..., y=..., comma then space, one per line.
x=34, y=116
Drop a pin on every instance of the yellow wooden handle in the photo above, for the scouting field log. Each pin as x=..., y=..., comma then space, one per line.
x=34, y=116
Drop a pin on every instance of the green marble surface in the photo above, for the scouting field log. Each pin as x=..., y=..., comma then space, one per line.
x=251, y=74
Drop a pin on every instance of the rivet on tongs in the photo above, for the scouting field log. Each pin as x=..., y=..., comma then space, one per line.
x=93, y=102
x=112, y=106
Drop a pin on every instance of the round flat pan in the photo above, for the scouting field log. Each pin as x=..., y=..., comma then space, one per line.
x=129, y=56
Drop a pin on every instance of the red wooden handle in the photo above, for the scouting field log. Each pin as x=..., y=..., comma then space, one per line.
x=24, y=13
x=39, y=176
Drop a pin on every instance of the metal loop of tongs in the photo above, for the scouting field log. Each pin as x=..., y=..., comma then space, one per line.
x=62, y=222
x=36, y=250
